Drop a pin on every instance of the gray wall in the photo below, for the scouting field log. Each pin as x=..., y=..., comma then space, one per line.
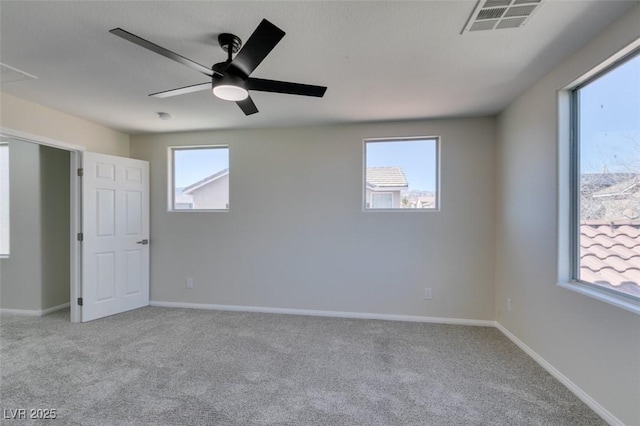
x=21, y=285
x=55, y=199
x=595, y=345
x=296, y=236
x=36, y=275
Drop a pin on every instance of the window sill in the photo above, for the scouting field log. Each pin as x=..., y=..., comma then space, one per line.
x=199, y=211
x=622, y=302
x=401, y=210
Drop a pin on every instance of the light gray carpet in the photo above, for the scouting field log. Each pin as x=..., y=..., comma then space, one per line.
x=161, y=366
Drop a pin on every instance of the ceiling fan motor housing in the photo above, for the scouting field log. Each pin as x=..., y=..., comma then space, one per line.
x=227, y=85
x=228, y=78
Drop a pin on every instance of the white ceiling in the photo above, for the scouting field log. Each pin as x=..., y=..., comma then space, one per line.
x=381, y=60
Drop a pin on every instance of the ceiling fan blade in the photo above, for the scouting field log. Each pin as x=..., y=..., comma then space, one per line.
x=257, y=47
x=161, y=51
x=182, y=90
x=247, y=106
x=285, y=87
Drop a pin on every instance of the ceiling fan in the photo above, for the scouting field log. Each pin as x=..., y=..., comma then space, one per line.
x=230, y=80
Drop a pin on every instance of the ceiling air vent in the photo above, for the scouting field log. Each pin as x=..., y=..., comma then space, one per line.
x=11, y=75
x=500, y=14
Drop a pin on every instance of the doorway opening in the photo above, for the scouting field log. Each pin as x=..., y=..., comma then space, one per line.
x=40, y=269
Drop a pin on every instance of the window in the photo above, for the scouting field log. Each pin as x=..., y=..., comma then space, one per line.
x=401, y=174
x=381, y=200
x=4, y=198
x=199, y=178
x=605, y=180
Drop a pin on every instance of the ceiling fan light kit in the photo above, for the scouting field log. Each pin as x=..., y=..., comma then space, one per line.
x=230, y=80
x=229, y=92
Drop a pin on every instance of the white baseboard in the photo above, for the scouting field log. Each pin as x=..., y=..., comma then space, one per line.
x=55, y=308
x=317, y=313
x=35, y=312
x=577, y=391
x=20, y=312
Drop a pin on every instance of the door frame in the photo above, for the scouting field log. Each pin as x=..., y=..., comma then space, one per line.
x=75, y=220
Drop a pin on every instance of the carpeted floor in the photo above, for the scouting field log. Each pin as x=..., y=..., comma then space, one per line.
x=161, y=366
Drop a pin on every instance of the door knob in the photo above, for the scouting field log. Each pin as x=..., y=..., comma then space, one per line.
x=143, y=242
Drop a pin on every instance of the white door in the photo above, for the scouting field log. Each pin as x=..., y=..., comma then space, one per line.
x=115, y=227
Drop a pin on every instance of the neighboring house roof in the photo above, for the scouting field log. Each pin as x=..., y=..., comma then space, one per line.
x=623, y=188
x=189, y=189
x=610, y=255
x=386, y=177
x=180, y=197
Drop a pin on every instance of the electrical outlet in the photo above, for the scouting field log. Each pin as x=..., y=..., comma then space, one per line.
x=189, y=282
x=509, y=307
x=427, y=293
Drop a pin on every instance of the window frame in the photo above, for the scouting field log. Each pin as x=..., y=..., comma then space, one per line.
x=569, y=186
x=437, y=202
x=5, y=220
x=171, y=187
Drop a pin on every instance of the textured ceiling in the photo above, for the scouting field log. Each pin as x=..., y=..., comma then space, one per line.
x=380, y=60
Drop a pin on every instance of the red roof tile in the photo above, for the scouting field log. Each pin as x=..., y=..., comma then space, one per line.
x=610, y=255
